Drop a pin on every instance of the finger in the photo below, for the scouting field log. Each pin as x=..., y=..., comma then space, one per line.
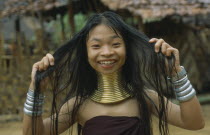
x=158, y=45
x=46, y=62
x=34, y=69
x=176, y=54
x=152, y=40
x=35, y=66
x=41, y=65
x=171, y=50
x=163, y=48
x=51, y=59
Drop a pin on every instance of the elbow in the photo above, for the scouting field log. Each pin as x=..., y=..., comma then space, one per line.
x=202, y=125
x=198, y=126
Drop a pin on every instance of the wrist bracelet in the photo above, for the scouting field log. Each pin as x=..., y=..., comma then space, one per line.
x=31, y=93
x=179, y=75
x=33, y=105
x=30, y=113
x=181, y=81
x=185, y=92
x=183, y=89
x=187, y=97
x=28, y=107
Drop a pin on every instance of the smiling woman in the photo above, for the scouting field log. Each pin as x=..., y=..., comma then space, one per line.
x=113, y=78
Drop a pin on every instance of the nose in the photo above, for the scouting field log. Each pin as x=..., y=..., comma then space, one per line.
x=107, y=51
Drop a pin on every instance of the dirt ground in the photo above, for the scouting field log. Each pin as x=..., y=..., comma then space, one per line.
x=15, y=128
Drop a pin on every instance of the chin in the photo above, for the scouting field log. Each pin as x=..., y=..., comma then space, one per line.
x=107, y=72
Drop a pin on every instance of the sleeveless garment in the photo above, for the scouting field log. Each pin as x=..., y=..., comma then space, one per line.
x=113, y=125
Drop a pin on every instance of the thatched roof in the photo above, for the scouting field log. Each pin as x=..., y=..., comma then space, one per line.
x=27, y=6
x=160, y=8
x=145, y=8
x=192, y=12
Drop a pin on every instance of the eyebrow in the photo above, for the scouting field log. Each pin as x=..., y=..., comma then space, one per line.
x=111, y=37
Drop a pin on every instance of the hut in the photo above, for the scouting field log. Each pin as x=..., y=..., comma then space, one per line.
x=37, y=12
x=14, y=73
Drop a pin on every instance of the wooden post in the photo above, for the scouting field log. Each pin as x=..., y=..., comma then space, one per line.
x=1, y=40
x=141, y=24
x=1, y=47
x=63, y=35
x=71, y=17
x=42, y=46
x=18, y=51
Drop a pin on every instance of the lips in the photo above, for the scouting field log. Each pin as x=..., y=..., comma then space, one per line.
x=107, y=63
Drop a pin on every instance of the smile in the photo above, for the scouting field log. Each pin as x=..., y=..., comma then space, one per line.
x=107, y=62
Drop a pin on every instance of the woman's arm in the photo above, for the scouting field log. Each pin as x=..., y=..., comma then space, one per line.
x=187, y=115
x=43, y=127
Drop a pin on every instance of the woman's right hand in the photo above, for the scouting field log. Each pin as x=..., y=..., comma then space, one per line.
x=41, y=65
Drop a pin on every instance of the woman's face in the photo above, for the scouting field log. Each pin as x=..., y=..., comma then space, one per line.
x=106, y=50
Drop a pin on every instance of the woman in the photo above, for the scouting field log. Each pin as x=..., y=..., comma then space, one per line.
x=113, y=78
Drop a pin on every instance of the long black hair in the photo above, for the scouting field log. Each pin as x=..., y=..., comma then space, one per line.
x=73, y=76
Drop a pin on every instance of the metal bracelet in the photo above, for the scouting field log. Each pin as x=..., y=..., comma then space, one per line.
x=181, y=81
x=183, y=87
x=30, y=113
x=187, y=97
x=35, y=100
x=32, y=97
x=32, y=94
x=185, y=92
x=36, y=103
x=29, y=107
x=179, y=75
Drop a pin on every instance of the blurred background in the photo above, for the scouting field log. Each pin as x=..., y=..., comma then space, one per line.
x=31, y=28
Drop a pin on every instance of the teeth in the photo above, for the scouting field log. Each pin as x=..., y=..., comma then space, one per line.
x=106, y=62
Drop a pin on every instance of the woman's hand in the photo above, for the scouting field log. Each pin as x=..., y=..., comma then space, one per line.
x=167, y=50
x=41, y=65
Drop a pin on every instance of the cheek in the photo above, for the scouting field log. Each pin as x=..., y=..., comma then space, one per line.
x=123, y=56
x=89, y=55
x=91, y=59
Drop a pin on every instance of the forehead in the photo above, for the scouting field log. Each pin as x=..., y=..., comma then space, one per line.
x=103, y=32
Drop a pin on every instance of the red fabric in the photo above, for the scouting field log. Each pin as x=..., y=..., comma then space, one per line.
x=111, y=125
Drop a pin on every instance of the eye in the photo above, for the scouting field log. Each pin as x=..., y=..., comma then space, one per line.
x=95, y=46
x=116, y=44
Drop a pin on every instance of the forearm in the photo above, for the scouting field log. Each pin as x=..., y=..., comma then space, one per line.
x=33, y=105
x=28, y=126
x=190, y=109
x=191, y=114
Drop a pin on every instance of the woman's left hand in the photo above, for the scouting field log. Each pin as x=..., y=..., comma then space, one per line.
x=167, y=50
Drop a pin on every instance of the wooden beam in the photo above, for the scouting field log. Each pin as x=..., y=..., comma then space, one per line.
x=63, y=34
x=1, y=47
x=71, y=17
x=18, y=52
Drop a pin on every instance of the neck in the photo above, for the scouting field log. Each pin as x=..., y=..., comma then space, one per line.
x=110, y=88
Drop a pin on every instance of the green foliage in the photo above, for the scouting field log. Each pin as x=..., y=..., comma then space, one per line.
x=55, y=26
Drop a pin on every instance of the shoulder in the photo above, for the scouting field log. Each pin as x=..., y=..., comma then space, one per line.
x=151, y=94
x=151, y=98
x=68, y=106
